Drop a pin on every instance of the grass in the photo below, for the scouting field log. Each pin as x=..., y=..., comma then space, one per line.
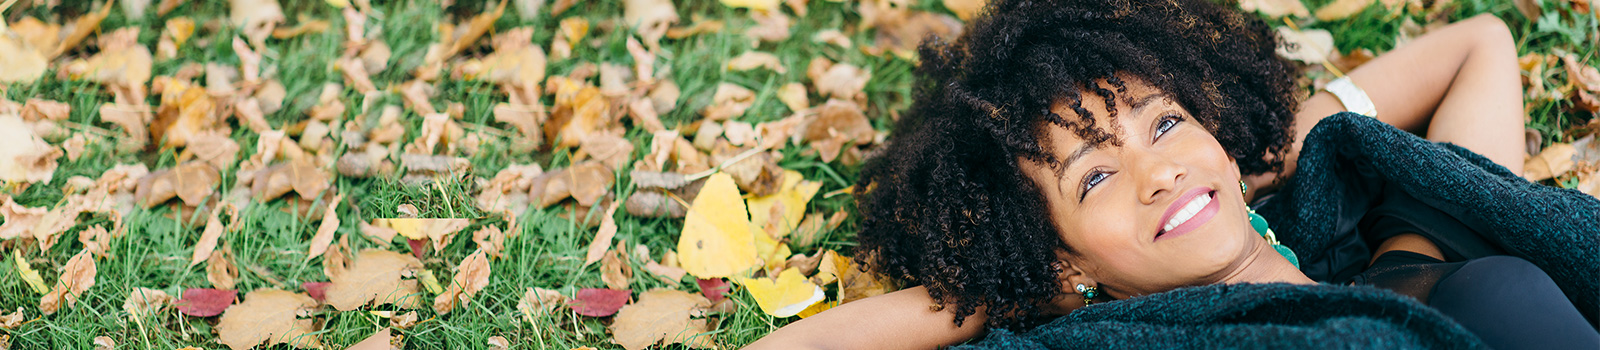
x=270, y=249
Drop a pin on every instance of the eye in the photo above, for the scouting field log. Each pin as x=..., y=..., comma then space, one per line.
x=1167, y=123
x=1089, y=181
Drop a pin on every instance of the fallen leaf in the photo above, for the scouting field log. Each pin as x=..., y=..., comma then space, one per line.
x=269, y=315
x=762, y=5
x=316, y=290
x=598, y=302
x=12, y=320
x=205, y=302
x=1276, y=8
x=1341, y=9
x=839, y=118
x=28, y=274
x=729, y=101
x=771, y=26
x=612, y=150
x=220, y=270
x=855, y=283
x=375, y=276
x=1554, y=160
x=793, y=95
x=756, y=59
x=965, y=9
x=377, y=341
x=326, y=229
x=24, y=157
x=785, y=296
x=842, y=80
x=104, y=343
x=602, y=237
x=191, y=181
x=85, y=25
x=208, y=239
x=37, y=109
x=663, y=316
x=144, y=302
x=615, y=270
x=539, y=301
x=24, y=62
x=472, y=275
x=780, y=213
x=1311, y=46
x=490, y=239
x=438, y=231
x=1585, y=81
x=714, y=288
x=256, y=18
x=76, y=277
x=717, y=238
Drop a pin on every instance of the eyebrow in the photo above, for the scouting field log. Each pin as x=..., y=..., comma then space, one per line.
x=1145, y=101
x=1083, y=149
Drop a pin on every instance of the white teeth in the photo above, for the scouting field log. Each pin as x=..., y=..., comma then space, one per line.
x=1188, y=211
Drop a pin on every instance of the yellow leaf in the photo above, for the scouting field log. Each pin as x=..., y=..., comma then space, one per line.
x=717, y=238
x=29, y=275
x=763, y=5
x=437, y=230
x=817, y=308
x=1342, y=9
x=781, y=212
x=786, y=296
x=339, y=3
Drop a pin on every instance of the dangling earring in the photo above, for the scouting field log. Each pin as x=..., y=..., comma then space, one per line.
x=1260, y=224
x=1089, y=292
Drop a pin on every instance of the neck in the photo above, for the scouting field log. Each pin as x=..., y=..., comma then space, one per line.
x=1265, y=265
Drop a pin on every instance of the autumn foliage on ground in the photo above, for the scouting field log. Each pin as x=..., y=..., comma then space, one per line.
x=520, y=174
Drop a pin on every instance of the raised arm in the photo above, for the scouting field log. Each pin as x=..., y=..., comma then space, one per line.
x=1457, y=84
x=898, y=320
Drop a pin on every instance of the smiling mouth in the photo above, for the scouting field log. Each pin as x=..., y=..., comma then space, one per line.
x=1191, y=210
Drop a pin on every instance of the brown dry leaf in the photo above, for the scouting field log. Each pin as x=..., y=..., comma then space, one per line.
x=539, y=301
x=698, y=26
x=757, y=175
x=379, y=340
x=1341, y=9
x=602, y=238
x=585, y=182
x=439, y=231
x=652, y=204
x=306, y=26
x=85, y=25
x=771, y=26
x=37, y=109
x=208, y=239
x=42, y=224
x=143, y=302
x=842, y=80
x=104, y=343
x=794, y=96
x=900, y=34
x=615, y=270
x=667, y=270
x=1311, y=46
x=1585, y=81
x=12, y=320
x=515, y=61
x=571, y=33
x=663, y=316
x=212, y=147
x=272, y=316
x=133, y=119
x=76, y=277
x=472, y=275
x=609, y=149
x=1276, y=8
x=856, y=284
x=1554, y=160
x=499, y=343
x=838, y=118
x=220, y=270
x=96, y=240
x=191, y=181
x=375, y=277
x=729, y=101
x=24, y=156
x=965, y=9
x=756, y=59
x=256, y=18
x=325, y=230
x=121, y=61
x=490, y=239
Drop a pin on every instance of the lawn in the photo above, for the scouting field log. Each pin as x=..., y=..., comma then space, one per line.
x=269, y=243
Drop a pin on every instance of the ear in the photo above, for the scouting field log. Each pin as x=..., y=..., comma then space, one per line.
x=1068, y=277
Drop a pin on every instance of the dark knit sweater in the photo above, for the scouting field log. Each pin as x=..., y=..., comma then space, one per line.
x=1344, y=157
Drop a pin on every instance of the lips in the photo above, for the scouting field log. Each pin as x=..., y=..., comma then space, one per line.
x=1200, y=218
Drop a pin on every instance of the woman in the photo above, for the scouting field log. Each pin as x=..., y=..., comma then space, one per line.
x=1070, y=152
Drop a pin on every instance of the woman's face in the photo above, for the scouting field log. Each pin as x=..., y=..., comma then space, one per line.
x=1137, y=215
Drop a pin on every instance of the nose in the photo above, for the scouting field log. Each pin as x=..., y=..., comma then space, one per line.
x=1158, y=176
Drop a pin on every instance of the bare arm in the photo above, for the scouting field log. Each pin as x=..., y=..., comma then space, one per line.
x=898, y=320
x=1457, y=84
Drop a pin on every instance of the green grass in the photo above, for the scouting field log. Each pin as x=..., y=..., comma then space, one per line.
x=546, y=253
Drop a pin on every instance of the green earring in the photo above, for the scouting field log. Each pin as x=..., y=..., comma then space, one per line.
x=1260, y=225
x=1089, y=292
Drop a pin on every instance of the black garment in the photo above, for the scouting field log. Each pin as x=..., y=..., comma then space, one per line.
x=1504, y=300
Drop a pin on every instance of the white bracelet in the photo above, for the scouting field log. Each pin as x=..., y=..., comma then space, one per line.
x=1354, y=99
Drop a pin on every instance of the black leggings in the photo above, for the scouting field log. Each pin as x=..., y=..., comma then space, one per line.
x=1506, y=301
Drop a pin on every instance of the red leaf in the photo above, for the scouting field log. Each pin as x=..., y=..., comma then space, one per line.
x=599, y=302
x=317, y=290
x=206, y=302
x=714, y=289
x=418, y=247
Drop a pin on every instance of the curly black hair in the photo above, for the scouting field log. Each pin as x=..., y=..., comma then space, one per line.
x=945, y=205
